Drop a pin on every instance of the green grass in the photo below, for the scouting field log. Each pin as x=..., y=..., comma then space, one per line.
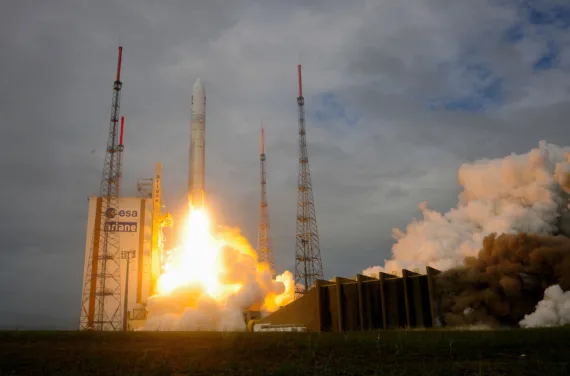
x=437, y=352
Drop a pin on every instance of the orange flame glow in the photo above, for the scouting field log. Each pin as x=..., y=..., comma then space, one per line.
x=218, y=266
x=197, y=263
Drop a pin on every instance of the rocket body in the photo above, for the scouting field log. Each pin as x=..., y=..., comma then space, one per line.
x=197, y=164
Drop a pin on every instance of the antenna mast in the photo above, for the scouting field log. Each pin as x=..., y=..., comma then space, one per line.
x=308, y=264
x=101, y=301
x=264, y=246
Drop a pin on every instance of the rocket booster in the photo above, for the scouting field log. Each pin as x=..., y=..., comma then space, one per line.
x=197, y=147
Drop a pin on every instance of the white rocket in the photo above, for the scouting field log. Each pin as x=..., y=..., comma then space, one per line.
x=197, y=146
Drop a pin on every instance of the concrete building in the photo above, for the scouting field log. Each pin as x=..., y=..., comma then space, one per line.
x=139, y=222
x=134, y=224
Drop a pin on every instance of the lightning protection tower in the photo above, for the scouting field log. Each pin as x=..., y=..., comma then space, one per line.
x=264, y=246
x=308, y=264
x=101, y=300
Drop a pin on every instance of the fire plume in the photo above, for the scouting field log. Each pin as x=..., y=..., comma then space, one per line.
x=197, y=263
x=211, y=278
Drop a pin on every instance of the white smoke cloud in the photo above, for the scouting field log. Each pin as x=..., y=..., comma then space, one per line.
x=189, y=308
x=518, y=193
x=553, y=310
x=171, y=314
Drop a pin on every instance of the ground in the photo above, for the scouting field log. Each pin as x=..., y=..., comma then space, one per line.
x=438, y=352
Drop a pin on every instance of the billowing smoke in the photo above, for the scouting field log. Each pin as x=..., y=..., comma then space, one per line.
x=553, y=310
x=519, y=194
x=246, y=283
x=505, y=281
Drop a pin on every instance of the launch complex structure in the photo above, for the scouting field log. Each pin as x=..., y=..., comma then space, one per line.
x=101, y=301
x=264, y=244
x=124, y=250
x=308, y=264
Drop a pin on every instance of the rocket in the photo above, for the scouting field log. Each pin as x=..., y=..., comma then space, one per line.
x=197, y=147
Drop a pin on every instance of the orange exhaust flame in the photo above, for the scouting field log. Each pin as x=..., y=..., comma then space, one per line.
x=198, y=262
x=218, y=270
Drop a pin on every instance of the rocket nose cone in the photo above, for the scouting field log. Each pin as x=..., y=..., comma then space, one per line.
x=198, y=88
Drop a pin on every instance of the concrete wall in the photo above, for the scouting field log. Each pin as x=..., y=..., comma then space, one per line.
x=303, y=311
x=364, y=303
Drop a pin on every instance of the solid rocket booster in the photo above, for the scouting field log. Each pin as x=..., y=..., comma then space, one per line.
x=197, y=146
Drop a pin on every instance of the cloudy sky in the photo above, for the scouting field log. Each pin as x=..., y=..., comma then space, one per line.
x=398, y=94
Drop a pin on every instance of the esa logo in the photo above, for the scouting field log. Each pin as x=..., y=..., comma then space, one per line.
x=128, y=213
x=112, y=213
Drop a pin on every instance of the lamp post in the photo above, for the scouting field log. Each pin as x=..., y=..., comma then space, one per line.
x=126, y=255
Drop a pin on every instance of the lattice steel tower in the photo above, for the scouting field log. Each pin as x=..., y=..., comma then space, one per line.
x=264, y=246
x=308, y=264
x=101, y=301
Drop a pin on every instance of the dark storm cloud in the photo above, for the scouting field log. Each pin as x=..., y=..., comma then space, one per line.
x=383, y=63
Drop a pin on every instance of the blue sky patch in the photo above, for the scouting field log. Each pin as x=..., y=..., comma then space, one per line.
x=547, y=13
x=480, y=100
x=541, y=20
x=486, y=89
x=549, y=59
x=542, y=13
x=328, y=108
x=514, y=33
x=548, y=18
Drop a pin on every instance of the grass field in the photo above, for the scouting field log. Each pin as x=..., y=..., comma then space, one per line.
x=442, y=352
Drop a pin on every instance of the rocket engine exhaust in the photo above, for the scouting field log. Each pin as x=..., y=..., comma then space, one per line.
x=505, y=281
x=197, y=165
x=503, y=248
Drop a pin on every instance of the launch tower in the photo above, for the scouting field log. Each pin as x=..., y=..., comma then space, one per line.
x=264, y=246
x=308, y=265
x=101, y=300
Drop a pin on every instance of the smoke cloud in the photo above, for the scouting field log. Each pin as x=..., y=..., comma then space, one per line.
x=493, y=277
x=519, y=193
x=553, y=310
x=249, y=285
x=505, y=281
